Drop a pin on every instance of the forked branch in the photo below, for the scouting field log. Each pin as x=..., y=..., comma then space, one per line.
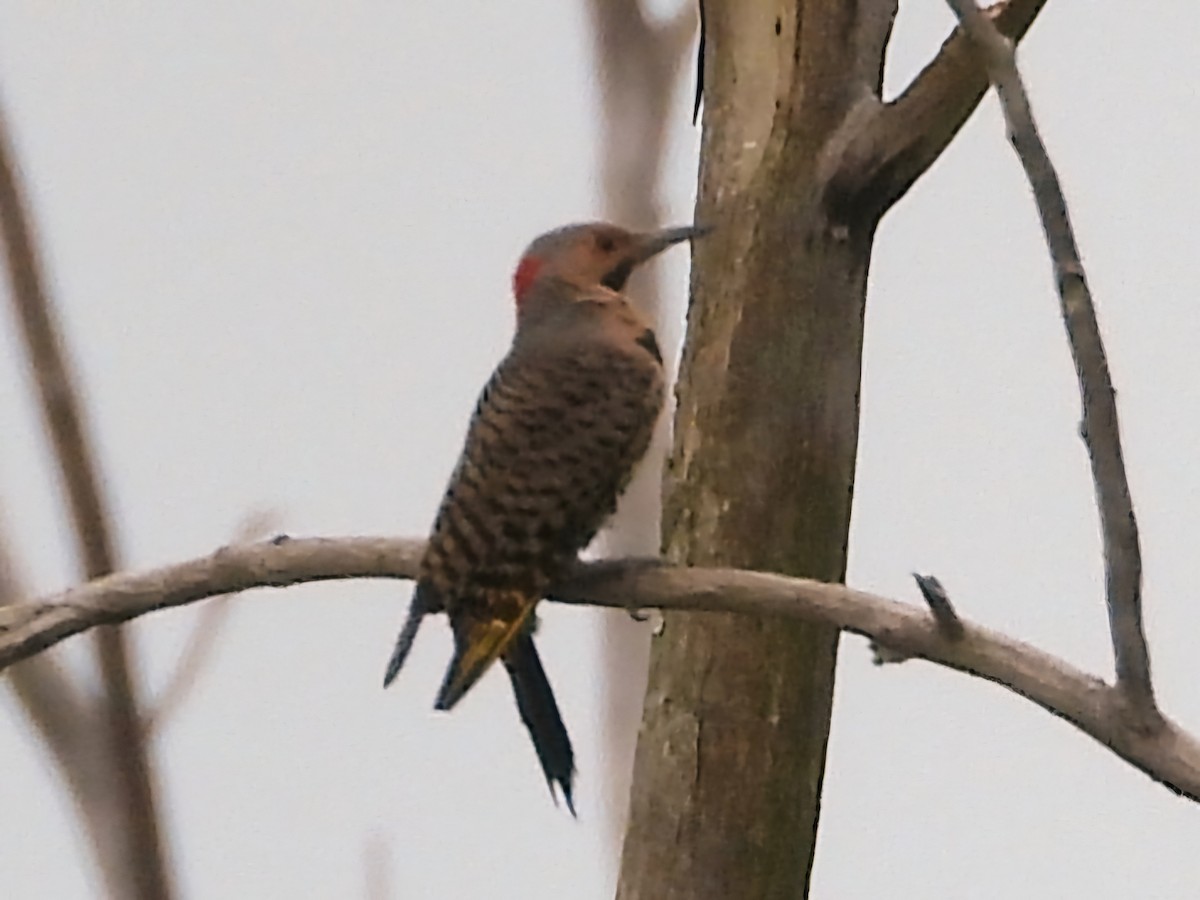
x=895, y=146
x=1100, y=430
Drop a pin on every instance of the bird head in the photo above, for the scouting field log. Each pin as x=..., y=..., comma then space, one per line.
x=591, y=255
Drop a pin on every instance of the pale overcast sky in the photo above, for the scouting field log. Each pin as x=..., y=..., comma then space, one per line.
x=281, y=236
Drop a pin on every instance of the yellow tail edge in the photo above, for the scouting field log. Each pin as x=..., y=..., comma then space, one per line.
x=483, y=644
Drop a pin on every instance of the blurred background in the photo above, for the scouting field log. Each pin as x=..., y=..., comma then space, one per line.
x=280, y=244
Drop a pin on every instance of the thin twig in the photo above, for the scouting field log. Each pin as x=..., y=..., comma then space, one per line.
x=1168, y=754
x=941, y=607
x=943, y=612
x=63, y=417
x=205, y=631
x=1100, y=429
x=188, y=668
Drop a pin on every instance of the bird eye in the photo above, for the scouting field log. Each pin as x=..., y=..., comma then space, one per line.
x=605, y=244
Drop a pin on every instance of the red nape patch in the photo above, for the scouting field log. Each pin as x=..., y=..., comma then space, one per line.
x=526, y=274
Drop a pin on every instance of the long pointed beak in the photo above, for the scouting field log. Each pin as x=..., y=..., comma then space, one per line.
x=655, y=242
x=644, y=246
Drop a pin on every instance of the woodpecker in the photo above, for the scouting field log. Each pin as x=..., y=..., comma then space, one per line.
x=552, y=443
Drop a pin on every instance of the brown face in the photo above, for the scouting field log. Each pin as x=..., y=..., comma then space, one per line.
x=602, y=254
x=595, y=253
x=582, y=254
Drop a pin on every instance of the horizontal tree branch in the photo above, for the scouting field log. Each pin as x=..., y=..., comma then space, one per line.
x=1167, y=754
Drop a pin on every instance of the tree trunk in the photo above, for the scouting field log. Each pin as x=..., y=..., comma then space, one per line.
x=800, y=159
x=728, y=770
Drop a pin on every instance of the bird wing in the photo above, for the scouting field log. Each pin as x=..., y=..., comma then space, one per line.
x=550, y=447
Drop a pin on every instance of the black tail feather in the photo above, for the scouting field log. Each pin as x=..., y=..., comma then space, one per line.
x=416, y=613
x=539, y=712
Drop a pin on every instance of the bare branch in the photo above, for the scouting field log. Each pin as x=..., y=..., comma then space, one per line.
x=1167, y=754
x=32, y=627
x=62, y=415
x=1100, y=429
x=52, y=375
x=894, y=147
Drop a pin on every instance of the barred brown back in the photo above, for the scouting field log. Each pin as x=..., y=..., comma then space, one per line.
x=551, y=446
